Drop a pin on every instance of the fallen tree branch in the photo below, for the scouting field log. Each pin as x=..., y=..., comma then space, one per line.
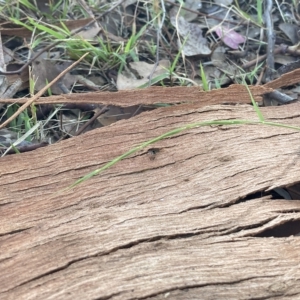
x=174, y=95
x=150, y=225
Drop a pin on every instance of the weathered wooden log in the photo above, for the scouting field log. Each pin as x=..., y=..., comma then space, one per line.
x=175, y=225
x=236, y=93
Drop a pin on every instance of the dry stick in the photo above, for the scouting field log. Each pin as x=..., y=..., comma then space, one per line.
x=261, y=75
x=271, y=41
x=42, y=91
x=25, y=148
x=58, y=42
x=259, y=59
x=91, y=120
x=281, y=49
x=2, y=61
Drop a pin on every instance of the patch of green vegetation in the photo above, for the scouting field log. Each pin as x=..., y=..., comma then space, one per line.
x=24, y=122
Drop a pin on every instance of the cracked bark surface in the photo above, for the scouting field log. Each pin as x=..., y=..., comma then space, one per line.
x=172, y=227
x=152, y=95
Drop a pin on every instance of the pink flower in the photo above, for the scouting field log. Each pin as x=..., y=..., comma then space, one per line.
x=231, y=38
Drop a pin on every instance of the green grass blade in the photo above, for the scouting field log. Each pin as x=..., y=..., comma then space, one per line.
x=203, y=78
x=28, y=5
x=256, y=108
x=15, y=149
x=259, y=9
x=17, y=22
x=57, y=32
x=171, y=133
x=155, y=80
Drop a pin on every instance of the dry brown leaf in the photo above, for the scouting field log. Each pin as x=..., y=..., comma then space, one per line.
x=223, y=71
x=192, y=42
x=129, y=81
x=218, y=57
x=284, y=59
x=89, y=33
x=6, y=90
x=116, y=113
x=191, y=5
x=44, y=71
x=24, y=76
x=8, y=55
x=291, y=31
x=111, y=23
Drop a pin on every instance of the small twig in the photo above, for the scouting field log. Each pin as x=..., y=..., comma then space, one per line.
x=2, y=61
x=25, y=148
x=280, y=97
x=41, y=92
x=281, y=49
x=271, y=41
x=58, y=42
x=259, y=59
x=91, y=120
x=260, y=77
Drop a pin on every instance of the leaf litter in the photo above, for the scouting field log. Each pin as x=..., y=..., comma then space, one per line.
x=130, y=48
